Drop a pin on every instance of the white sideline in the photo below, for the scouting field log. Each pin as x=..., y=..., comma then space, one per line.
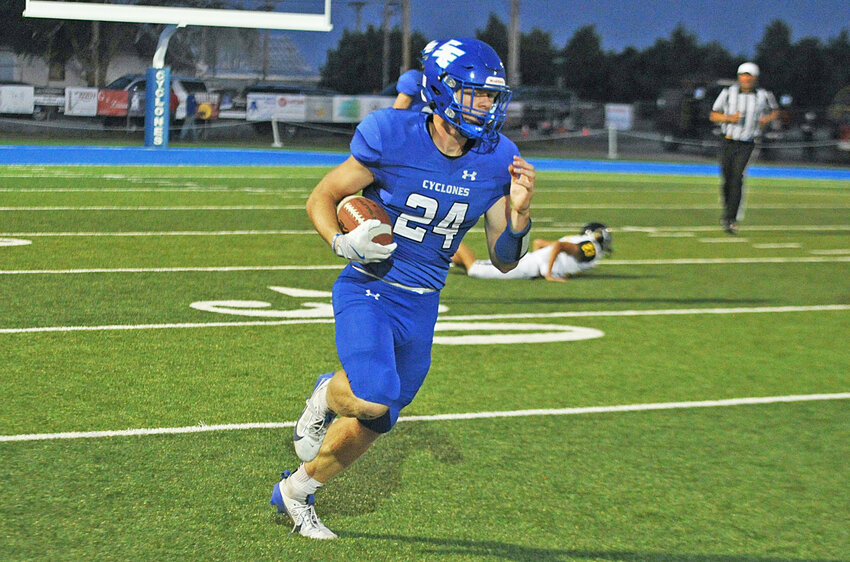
x=471, y=317
x=441, y=417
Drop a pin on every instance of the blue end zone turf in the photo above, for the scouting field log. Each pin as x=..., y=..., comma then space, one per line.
x=138, y=156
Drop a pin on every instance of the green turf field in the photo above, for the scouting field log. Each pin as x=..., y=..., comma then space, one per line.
x=116, y=365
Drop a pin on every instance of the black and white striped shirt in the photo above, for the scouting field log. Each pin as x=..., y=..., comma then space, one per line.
x=753, y=106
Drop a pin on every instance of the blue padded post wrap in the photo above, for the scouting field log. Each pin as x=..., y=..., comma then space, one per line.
x=511, y=246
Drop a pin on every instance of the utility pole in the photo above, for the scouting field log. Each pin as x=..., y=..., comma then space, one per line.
x=514, y=76
x=385, y=59
x=94, y=80
x=265, y=53
x=358, y=7
x=268, y=7
x=405, y=36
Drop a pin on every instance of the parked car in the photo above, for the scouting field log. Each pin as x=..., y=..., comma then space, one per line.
x=683, y=114
x=543, y=109
x=838, y=115
x=181, y=87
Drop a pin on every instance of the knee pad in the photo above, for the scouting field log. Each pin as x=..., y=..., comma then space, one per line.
x=382, y=424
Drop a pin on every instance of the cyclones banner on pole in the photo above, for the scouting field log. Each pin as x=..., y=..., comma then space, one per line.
x=157, y=107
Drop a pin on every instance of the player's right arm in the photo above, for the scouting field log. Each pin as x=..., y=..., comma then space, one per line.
x=402, y=101
x=348, y=178
x=556, y=248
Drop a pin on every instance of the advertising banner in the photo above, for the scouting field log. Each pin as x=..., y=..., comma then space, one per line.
x=368, y=104
x=283, y=107
x=619, y=116
x=346, y=109
x=17, y=99
x=113, y=102
x=353, y=109
x=157, y=107
x=81, y=102
x=320, y=109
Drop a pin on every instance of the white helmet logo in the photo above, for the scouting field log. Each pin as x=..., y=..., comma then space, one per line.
x=447, y=53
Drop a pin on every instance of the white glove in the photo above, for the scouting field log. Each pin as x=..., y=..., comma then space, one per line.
x=357, y=245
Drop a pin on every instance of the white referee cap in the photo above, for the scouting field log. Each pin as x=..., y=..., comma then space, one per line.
x=750, y=68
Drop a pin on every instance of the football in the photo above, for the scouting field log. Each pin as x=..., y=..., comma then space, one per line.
x=354, y=210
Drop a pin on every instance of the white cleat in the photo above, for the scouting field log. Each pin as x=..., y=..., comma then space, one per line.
x=312, y=426
x=303, y=515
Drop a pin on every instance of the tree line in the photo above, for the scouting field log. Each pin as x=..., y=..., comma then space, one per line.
x=808, y=70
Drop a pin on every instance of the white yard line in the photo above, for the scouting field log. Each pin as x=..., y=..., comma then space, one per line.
x=166, y=233
x=518, y=316
x=173, y=208
x=651, y=230
x=171, y=269
x=754, y=228
x=836, y=252
x=833, y=257
x=303, y=191
x=724, y=240
x=712, y=261
x=600, y=206
x=442, y=417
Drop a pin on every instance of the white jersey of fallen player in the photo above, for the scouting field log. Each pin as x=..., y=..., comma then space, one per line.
x=535, y=264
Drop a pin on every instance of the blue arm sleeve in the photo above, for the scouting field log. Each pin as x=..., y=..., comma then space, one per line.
x=511, y=246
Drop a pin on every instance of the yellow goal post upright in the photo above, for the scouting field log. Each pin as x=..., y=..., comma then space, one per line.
x=158, y=90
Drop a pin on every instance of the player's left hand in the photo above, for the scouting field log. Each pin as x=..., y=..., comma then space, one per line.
x=522, y=185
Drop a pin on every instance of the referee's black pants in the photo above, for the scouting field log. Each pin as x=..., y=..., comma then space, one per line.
x=733, y=160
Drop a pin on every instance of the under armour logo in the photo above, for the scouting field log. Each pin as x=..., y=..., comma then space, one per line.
x=371, y=294
x=448, y=52
x=467, y=175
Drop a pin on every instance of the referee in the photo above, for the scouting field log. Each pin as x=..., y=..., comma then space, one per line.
x=742, y=109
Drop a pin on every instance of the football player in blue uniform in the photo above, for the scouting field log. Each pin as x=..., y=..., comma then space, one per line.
x=409, y=85
x=435, y=175
x=409, y=88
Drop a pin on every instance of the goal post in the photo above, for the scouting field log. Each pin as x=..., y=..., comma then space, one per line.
x=158, y=90
x=181, y=16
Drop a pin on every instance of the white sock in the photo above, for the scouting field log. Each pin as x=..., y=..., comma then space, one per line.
x=299, y=485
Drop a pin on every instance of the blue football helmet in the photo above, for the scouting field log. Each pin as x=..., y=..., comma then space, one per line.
x=455, y=68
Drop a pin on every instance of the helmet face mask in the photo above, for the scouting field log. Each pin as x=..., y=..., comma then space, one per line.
x=600, y=233
x=457, y=75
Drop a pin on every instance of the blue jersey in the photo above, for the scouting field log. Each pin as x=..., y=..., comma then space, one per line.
x=432, y=199
x=410, y=83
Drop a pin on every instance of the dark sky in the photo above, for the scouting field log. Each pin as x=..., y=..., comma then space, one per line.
x=619, y=23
